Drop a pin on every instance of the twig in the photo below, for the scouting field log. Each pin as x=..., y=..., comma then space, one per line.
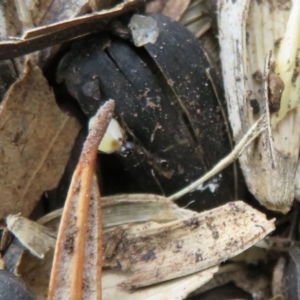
x=257, y=128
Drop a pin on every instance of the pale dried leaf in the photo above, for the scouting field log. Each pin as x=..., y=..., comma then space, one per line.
x=131, y=208
x=227, y=231
x=36, y=138
x=122, y=209
x=174, y=289
x=35, y=274
x=244, y=32
x=155, y=253
x=34, y=237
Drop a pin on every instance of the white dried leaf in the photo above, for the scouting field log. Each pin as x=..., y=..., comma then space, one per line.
x=158, y=252
x=170, y=250
x=248, y=30
x=175, y=289
x=132, y=208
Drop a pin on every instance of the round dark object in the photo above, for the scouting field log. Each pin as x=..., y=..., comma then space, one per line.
x=13, y=288
x=169, y=101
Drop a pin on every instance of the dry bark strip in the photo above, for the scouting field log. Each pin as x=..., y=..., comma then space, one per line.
x=77, y=264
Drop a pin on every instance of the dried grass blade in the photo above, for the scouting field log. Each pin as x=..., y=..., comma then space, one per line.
x=133, y=208
x=257, y=128
x=153, y=253
x=68, y=271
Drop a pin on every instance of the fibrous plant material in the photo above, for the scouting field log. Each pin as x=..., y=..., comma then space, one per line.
x=178, y=289
x=36, y=138
x=153, y=252
x=250, y=31
x=162, y=241
x=77, y=264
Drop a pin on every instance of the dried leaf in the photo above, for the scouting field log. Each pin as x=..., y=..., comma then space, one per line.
x=132, y=208
x=239, y=233
x=59, y=32
x=141, y=207
x=34, y=237
x=122, y=209
x=250, y=40
x=79, y=244
x=36, y=140
x=174, y=289
x=158, y=252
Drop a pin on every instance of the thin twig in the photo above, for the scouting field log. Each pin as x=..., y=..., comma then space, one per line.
x=257, y=128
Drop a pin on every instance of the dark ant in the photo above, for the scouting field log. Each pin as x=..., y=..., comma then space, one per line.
x=161, y=165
